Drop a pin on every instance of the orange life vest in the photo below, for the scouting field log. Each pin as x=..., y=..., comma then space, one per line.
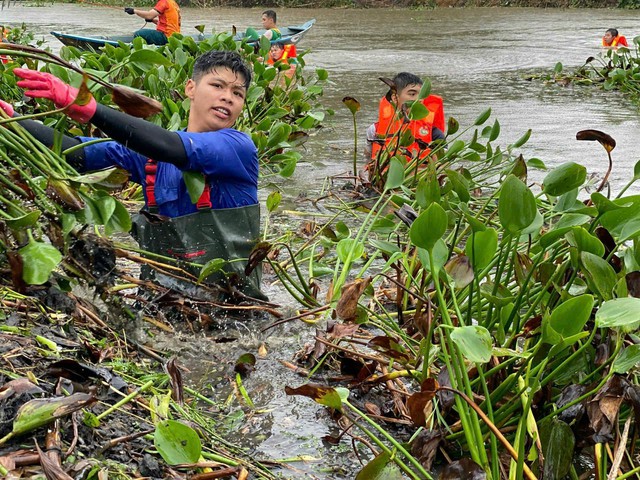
x=388, y=125
x=3, y=34
x=289, y=52
x=619, y=41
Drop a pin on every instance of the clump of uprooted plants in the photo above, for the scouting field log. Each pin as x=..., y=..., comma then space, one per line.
x=65, y=417
x=46, y=204
x=484, y=324
x=611, y=70
x=56, y=241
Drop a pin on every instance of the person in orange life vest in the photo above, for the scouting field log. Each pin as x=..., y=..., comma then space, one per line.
x=612, y=39
x=280, y=51
x=4, y=32
x=285, y=54
x=393, y=116
x=165, y=14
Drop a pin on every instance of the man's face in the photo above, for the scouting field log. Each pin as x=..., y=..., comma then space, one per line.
x=407, y=94
x=276, y=52
x=216, y=98
x=608, y=38
x=267, y=22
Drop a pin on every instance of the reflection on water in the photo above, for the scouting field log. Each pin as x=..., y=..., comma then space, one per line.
x=475, y=58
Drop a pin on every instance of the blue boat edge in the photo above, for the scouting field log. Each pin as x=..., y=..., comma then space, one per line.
x=291, y=34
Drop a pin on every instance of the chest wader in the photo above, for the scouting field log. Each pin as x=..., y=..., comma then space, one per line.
x=229, y=234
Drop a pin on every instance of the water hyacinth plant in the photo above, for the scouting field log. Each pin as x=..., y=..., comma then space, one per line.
x=615, y=69
x=50, y=215
x=280, y=111
x=483, y=326
x=494, y=319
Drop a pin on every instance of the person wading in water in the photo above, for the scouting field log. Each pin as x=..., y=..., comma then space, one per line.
x=612, y=39
x=393, y=116
x=225, y=221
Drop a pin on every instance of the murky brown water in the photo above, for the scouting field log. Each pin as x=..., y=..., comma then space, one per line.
x=475, y=58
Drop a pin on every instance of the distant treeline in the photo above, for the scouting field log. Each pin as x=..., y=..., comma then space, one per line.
x=415, y=3
x=631, y=4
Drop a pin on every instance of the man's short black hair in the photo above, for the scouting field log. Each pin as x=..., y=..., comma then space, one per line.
x=271, y=14
x=404, y=79
x=613, y=32
x=213, y=59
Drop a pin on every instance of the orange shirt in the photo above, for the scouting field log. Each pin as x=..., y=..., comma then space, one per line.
x=169, y=19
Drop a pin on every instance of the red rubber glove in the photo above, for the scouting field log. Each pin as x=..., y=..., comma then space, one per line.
x=45, y=85
x=8, y=109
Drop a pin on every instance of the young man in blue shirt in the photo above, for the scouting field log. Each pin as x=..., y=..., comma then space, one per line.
x=224, y=223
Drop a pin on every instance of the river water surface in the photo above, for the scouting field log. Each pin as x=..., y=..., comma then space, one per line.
x=476, y=58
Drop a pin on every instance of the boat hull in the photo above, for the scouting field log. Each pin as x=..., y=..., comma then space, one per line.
x=292, y=34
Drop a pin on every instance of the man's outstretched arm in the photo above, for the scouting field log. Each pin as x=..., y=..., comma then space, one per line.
x=134, y=133
x=148, y=15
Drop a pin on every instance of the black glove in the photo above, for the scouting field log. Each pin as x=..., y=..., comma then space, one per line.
x=129, y=10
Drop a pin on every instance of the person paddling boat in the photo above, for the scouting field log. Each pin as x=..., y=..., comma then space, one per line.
x=165, y=14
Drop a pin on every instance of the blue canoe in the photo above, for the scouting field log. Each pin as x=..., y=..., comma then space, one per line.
x=290, y=34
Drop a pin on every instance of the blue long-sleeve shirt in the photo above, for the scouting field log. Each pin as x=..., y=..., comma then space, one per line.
x=228, y=158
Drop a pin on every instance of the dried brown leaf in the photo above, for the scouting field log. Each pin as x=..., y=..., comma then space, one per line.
x=389, y=347
x=18, y=386
x=425, y=446
x=604, y=407
x=463, y=468
x=346, y=309
x=633, y=283
x=84, y=95
x=62, y=193
x=8, y=462
x=420, y=405
x=17, y=267
x=257, y=255
x=368, y=370
x=52, y=469
x=596, y=135
x=135, y=103
x=423, y=319
x=372, y=409
x=175, y=377
x=336, y=331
